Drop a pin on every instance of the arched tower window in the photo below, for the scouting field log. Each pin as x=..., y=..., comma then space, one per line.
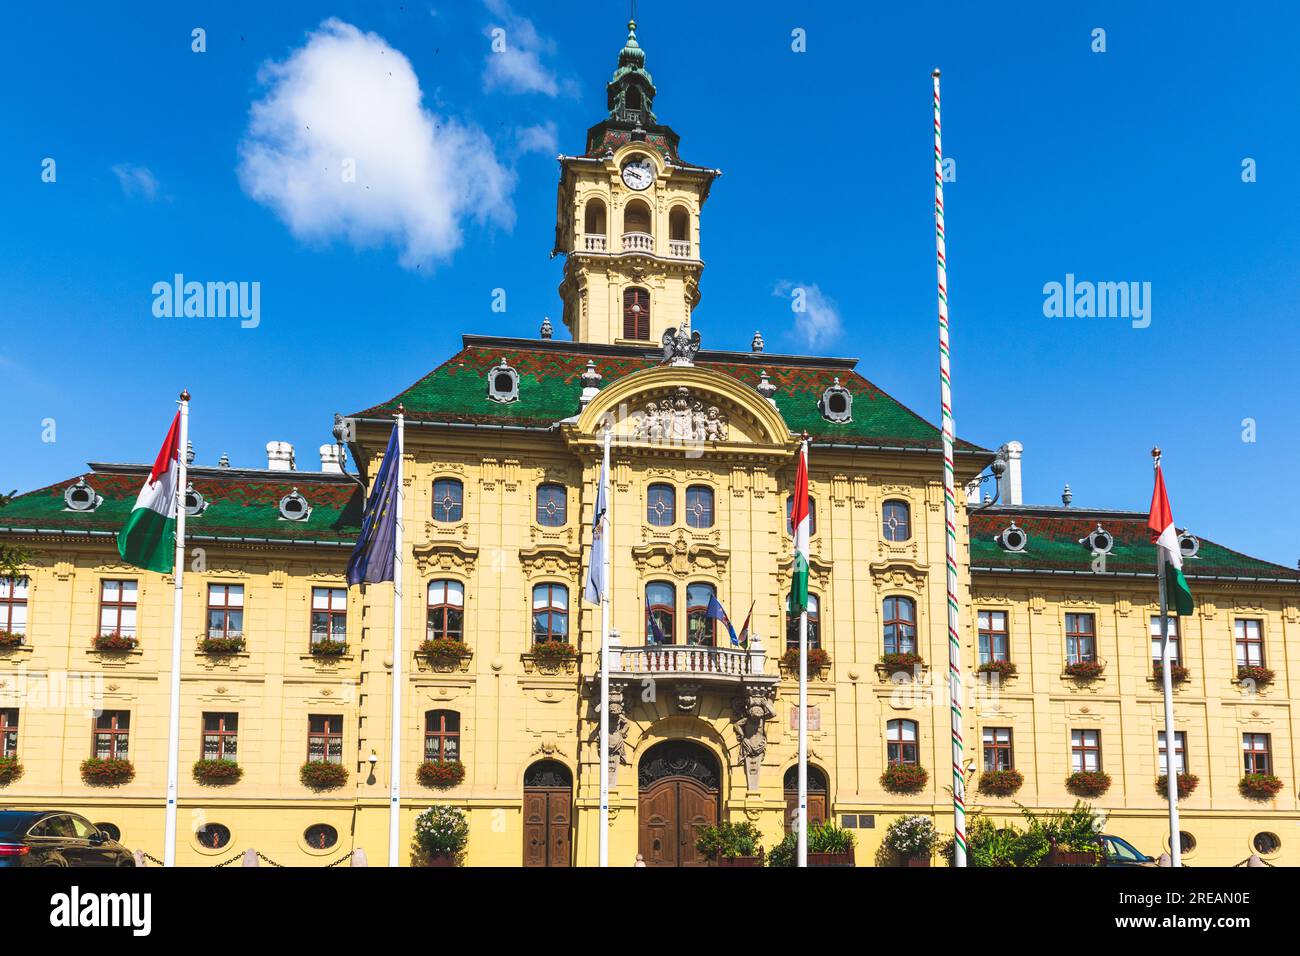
x=636, y=314
x=636, y=218
x=593, y=221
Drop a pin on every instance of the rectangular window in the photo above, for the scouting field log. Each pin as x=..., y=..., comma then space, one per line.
x=220, y=736
x=8, y=731
x=13, y=605
x=1249, y=634
x=117, y=606
x=1258, y=752
x=225, y=610
x=997, y=749
x=1180, y=752
x=900, y=738
x=1085, y=750
x=112, y=735
x=329, y=615
x=441, y=736
x=1080, y=638
x=995, y=643
x=325, y=738
x=1175, y=646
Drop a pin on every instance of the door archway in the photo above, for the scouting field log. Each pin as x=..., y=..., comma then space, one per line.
x=817, y=796
x=548, y=809
x=680, y=784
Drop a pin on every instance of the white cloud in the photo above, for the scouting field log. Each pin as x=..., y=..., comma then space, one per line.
x=816, y=316
x=136, y=181
x=342, y=146
x=541, y=138
x=514, y=60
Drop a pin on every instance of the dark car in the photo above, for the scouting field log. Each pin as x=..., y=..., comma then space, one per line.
x=56, y=838
x=1119, y=852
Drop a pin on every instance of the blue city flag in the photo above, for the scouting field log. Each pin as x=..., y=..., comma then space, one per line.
x=372, y=558
x=657, y=636
x=716, y=611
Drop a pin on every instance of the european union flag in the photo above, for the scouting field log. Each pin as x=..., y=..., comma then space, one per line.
x=372, y=558
x=718, y=613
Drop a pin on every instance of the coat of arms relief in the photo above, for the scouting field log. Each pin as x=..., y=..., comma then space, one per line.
x=681, y=418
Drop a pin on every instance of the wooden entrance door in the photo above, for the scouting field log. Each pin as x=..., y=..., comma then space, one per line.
x=816, y=796
x=679, y=784
x=548, y=805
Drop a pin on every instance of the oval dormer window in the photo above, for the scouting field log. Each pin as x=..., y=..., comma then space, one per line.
x=1189, y=544
x=1099, y=541
x=195, y=503
x=81, y=497
x=1013, y=538
x=294, y=507
x=503, y=384
x=837, y=403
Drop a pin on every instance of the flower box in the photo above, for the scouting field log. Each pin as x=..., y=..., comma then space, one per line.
x=1186, y=784
x=321, y=775
x=552, y=657
x=217, y=772
x=1261, y=676
x=1003, y=669
x=904, y=778
x=831, y=859
x=114, y=642
x=439, y=859
x=233, y=644
x=1084, y=670
x=434, y=773
x=917, y=861
x=1088, y=783
x=1000, y=783
x=738, y=860
x=1260, y=786
x=329, y=648
x=1058, y=857
x=10, y=639
x=1178, y=674
x=818, y=659
x=10, y=770
x=907, y=663
x=443, y=652
x=98, y=772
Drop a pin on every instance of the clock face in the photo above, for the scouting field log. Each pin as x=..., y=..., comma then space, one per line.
x=638, y=173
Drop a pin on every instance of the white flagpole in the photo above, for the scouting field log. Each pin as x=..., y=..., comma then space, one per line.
x=802, y=859
x=603, y=492
x=178, y=603
x=395, y=757
x=1167, y=688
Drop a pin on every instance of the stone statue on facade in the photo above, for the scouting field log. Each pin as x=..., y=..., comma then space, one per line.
x=680, y=345
x=679, y=419
x=749, y=722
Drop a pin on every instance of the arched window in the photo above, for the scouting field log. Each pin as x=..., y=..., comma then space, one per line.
x=441, y=735
x=812, y=515
x=792, y=623
x=699, y=627
x=661, y=609
x=699, y=506
x=817, y=796
x=661, y=506
x=897, y=521
x=446, y=611
x=636, y=314
x=636, y=217
x=900, y=737
x=679, y=224
x=448, y=500
x=593, y=220
x=552, y=506
x=550, y=613
x=900, y=625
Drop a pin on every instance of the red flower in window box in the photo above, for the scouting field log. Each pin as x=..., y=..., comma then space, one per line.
x=901, y=662
x=10, y=770
x=233, y=644
x=1088, y=783
x=10, y=639
x=1262, y=676
x=113, y=641
x=1260, y=786
x=1178, y=674
x=817, y=659
x=329, y=648
x=1186, y=784
x=322, y=775
x=217, y=772
x=1084, y=670
x=1001, y=783
x=443, y=651
x=554, y=652
x=113, y=772
x=444, y=773
x=1003, y=669
x=904, y=778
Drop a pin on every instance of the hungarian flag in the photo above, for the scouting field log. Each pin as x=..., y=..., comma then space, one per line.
x=799, y=522
x=1169, y=556
x=149, y=538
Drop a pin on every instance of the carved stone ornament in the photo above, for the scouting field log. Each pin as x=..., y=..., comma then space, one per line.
x=445, y=556
x=749, y=721
x=680, y=345
x=679, y=419
x=680, y=557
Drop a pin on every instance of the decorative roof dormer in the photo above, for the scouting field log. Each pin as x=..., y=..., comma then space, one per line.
x=631, y=91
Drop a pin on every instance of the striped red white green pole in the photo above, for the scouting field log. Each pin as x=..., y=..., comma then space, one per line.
x=949, y=504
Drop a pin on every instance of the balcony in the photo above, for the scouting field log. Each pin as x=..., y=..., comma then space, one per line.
x=690, y=665
x=595, y=243
x=679, y=248
x=638, y=242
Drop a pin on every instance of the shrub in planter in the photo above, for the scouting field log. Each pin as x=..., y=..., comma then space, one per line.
x=730, y=841
x=785, y=853
x=1000, y=783
x=441, y=834
x=222, y=645
x=1084, y=670
x=1186, y=784
x=1178, y=674
x=1088, y=783
x=328, y=648
x=217, y=772
x=1262, y=676
x=115, y=642
x=912, y=838
x=444, y=651
x=99, y=772
x=435, y=773
x=10, y=770
x=901, y=662
x=10, y=639
x=817, y=659
x=1070, y=836
x=1260, y=786
x=904, y=778
x=829, y=845
x=1003, y=669
x=322, y=775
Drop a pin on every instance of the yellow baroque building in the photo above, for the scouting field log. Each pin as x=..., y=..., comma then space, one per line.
x=284, y=664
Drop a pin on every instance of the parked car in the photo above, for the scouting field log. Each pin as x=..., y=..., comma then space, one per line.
x=1119, y=852
x=56, y=838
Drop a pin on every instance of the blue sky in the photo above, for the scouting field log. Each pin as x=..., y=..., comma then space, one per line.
x=1117, y=166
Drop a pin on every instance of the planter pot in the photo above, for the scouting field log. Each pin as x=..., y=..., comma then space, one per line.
x=1057, y=857
x=740, y=861
x=831, y=859
x=917, y=861
x=440, y=860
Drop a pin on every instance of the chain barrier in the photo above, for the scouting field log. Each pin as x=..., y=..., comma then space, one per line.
x=346, y=857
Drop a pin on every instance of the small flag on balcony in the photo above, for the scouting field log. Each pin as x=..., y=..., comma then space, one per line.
x=743, y=639
x=657, y=635
x=717, y=612
x=148, y=540
x=1169, y=555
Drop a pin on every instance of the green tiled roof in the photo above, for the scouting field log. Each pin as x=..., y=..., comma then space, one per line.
x=550, y=387
x=1053, y=546
x=244, y=504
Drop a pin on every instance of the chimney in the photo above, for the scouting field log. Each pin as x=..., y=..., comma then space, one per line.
x=331, y=459
x=1009, y=484
x=279, y=456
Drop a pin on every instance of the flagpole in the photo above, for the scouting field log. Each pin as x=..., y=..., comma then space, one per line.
x=802, y=859
x=603, y=491
x=395, y=757
x=949, y=502
x=1167, y=688
x=178, y=602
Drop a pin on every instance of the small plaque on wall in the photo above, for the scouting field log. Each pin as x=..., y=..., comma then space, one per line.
x=814, y=717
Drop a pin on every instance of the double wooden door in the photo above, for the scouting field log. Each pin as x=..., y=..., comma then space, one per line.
x=672, y=811
x=547, y=812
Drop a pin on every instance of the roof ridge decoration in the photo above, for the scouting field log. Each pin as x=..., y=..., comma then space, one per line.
x=681, y=345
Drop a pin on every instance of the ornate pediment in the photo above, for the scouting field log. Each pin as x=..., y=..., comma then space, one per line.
x=681, y=418
x=680, y=556
x=445, y=555
x=549, y=559
x=819, y=571
x=900, y=573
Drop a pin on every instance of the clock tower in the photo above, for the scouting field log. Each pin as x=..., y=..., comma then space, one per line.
x=628, y=218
